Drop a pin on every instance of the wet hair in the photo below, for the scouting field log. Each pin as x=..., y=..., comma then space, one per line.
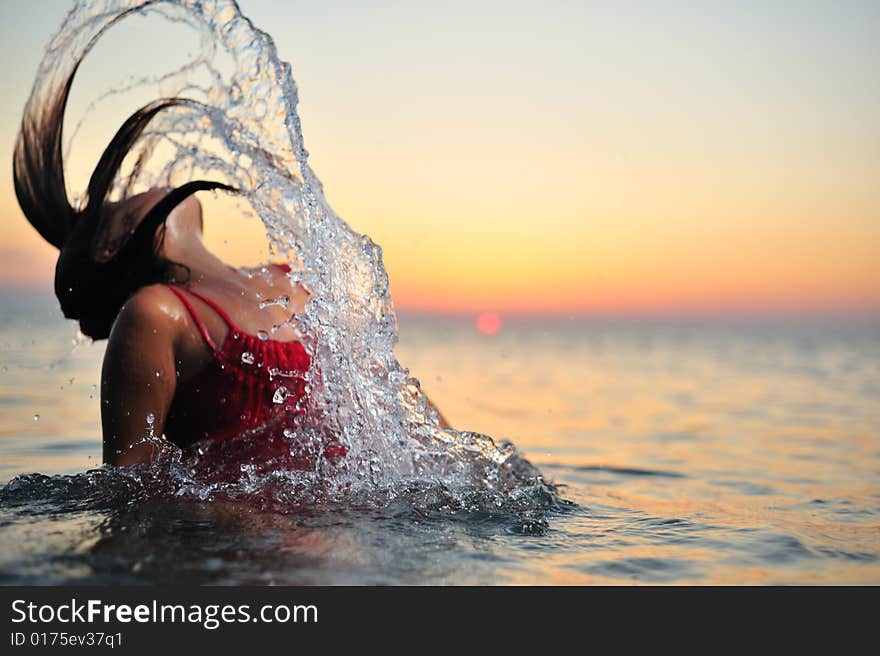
x=90, y=289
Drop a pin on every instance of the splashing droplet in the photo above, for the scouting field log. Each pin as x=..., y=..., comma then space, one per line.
x=36, y=417
x=282, y=301
x=263, y=335
x=247, y=357
x=280, y=395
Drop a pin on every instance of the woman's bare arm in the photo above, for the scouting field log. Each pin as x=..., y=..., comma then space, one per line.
x=138, y=378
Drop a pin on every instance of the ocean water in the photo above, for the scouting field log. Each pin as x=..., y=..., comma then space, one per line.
x=685, y=452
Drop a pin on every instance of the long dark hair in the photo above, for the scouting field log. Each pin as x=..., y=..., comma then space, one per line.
x=91, y=290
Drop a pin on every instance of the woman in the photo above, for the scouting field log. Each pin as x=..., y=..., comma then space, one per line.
x=192, y=354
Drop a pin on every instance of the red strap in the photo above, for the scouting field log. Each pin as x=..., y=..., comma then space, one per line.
x=219, y=310
x=192, y=312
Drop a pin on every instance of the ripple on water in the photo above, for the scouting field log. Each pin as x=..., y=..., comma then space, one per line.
x=645, y=569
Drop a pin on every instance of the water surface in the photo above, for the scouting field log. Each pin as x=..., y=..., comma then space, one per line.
x=686, y=452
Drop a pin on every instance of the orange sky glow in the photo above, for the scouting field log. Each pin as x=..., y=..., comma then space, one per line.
x=715, y=165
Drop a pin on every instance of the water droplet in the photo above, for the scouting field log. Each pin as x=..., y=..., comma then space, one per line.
x=247, y=357
x=263, y=335
x=280, y=395
x=36, y=417
x=151, y=418
x=289, y=434
x=158, y=374
x=283, y=301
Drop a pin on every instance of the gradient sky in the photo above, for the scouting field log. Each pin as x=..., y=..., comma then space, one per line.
x=560, y=156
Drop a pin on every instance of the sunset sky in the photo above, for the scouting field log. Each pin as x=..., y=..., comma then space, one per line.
x=560, y=157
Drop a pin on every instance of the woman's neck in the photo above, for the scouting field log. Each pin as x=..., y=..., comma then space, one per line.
x=190, y=250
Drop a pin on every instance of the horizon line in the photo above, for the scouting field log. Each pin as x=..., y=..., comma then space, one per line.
x=733, y=312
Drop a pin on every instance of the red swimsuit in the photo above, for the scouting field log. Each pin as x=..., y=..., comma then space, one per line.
x=256, y=388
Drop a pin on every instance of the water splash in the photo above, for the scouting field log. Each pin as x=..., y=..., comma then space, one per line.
x=240, y=125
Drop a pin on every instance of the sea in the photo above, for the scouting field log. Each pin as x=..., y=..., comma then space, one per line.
x=713, y=451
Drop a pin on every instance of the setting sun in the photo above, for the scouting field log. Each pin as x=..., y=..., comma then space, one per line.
x=488, y=323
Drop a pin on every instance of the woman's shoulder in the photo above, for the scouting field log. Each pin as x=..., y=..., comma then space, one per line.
x=150, y=308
